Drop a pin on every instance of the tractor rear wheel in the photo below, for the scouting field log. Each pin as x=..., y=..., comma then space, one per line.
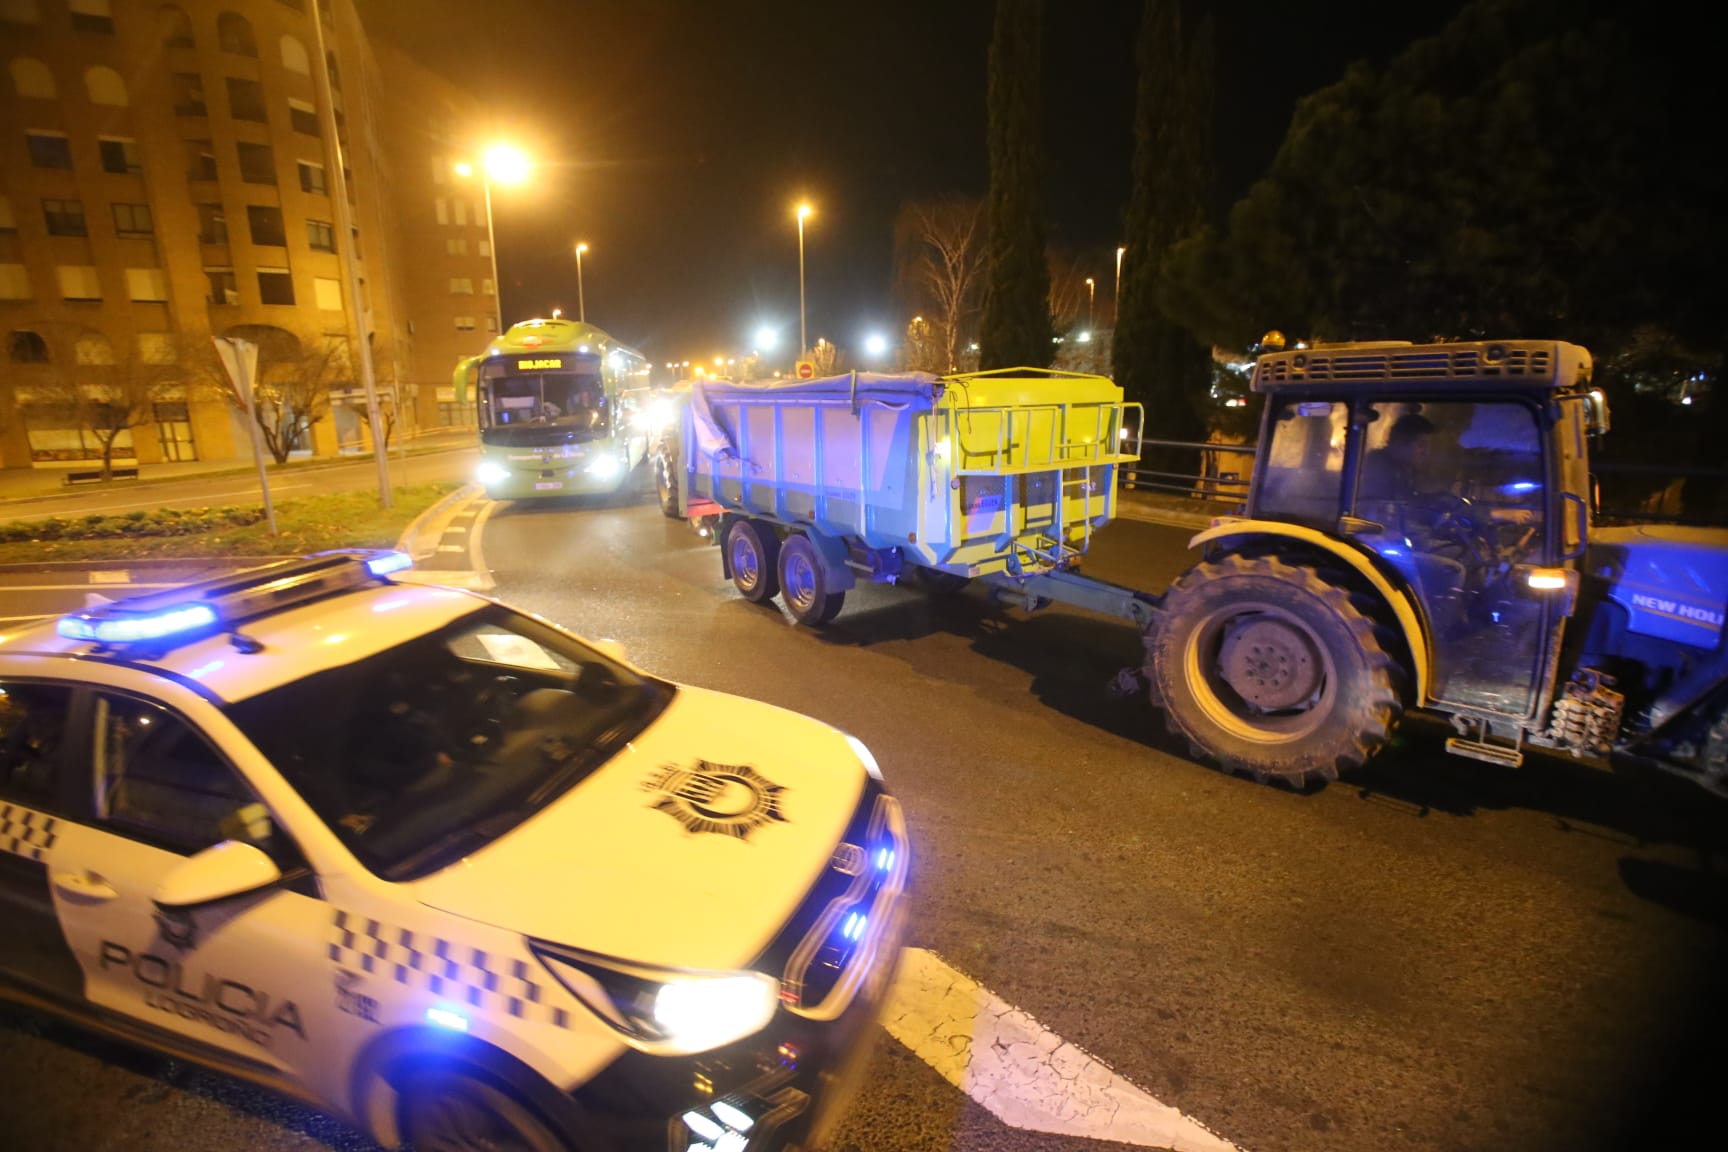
x=665, y=466
x=1272, y=671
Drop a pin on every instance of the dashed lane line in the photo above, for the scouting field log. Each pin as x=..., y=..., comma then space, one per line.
x=1022, y=1073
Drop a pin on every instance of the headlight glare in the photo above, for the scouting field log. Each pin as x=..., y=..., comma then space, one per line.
x=673, y=1013
x=490, y=473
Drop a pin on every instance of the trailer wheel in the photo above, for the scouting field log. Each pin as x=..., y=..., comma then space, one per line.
x=1271, y=671
x=804, y=583
x=753, y=553
x=666, y=485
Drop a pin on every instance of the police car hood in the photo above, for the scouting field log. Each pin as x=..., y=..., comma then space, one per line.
x=689, y=849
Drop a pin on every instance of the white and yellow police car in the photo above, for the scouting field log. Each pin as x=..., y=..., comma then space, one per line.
x=441, y=868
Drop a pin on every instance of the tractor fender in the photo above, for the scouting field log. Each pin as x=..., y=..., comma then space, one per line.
x=1412, y=622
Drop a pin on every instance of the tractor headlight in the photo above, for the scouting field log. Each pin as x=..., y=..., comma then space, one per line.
x=490, y=473
x=664, y=1011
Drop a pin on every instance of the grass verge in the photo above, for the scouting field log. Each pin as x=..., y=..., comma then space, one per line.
x=309, y=524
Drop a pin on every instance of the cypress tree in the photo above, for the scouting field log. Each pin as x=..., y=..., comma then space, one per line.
x=1015, y=328
x=1154, y=359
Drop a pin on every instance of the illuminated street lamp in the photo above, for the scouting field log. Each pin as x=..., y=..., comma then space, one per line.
x=501, y=164
x=1091, y=290
x=581, y=304
x=804, y=211
x=875, y=344
x=1116, y=300
x=766, y=338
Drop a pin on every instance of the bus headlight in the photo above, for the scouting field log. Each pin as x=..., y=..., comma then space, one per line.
x=490, y=473
x=604, y=466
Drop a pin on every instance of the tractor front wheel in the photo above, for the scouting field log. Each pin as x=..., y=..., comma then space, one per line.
x=1270, y=670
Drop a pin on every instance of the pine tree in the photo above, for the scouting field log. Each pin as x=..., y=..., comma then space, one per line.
x=1015, y=329
x=1156, y=360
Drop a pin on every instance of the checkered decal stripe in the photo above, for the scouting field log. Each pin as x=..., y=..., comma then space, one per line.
x=456, y=972
x=25, y=833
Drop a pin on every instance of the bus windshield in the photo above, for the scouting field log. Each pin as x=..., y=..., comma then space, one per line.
x=568, y=404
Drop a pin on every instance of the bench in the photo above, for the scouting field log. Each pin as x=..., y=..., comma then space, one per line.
x=95, y=475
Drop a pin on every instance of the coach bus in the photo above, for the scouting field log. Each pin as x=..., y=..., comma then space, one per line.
x=562, y=410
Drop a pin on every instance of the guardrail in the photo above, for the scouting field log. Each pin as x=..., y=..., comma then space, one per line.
x=1223, y=471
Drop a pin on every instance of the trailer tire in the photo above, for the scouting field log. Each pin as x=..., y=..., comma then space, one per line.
x=1272, y=671
x=804, y=583
x=666, y=484
x=753, y=556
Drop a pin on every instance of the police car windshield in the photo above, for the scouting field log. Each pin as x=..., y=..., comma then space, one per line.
x=429, y=751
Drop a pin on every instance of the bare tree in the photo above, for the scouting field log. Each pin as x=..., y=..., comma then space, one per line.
x=91, y=387
x=947, y=266
x=1067, y=292
x=823, y=356
x=296, y=375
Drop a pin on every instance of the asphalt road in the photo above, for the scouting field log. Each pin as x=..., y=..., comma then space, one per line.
x=1436, y=955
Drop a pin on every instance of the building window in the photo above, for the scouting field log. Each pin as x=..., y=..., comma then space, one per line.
x=462, y=285
x=92, y=16
x=188, y=90
x=93, y=348
x=7, y=223
x=302, y=117
x=492, y=324
x=487, y=288
x=79, y=282
x=265, y=224
x=246, y=100
x=104, y=86
x=65, y=217
x=275, y=286
x=49, y=149
x=485, y=248
x=29, y=348
x=455, y=246
x=200, y=160
x=223, y=289
x=441, y=209
x=464, y=323
x=176, y=28
x=312, y=178
x=294, y=56
x=234, y=34
x=328, y=293
x=133, y=220
x=33, y=80
x=119, y=156
x=212, y=224
x=257, y=164
x=321, y=236
x=14, y=282
x=158, y=348
x=147, y=285
x=461, y=215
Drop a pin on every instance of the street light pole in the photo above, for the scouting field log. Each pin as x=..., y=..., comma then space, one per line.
x=581, y=304
x=492, y=251
x=1116, y=300
x=1091, y=290
x=803, y=341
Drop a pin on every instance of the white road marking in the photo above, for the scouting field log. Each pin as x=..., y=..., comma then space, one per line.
x=1025, y=1075
x=452, y=548
x=455, y=529
x=111, y=576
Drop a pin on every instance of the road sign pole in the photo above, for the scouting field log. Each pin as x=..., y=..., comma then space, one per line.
x=240, y=360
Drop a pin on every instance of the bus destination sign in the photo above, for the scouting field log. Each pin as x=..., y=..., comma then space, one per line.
x=540, y=365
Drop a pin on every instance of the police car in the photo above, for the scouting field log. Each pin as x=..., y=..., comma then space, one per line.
x=440, y=868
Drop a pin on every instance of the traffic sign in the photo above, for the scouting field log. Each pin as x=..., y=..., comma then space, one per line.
x=806, y=369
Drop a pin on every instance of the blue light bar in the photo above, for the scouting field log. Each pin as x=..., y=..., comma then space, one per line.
x=885, y=860
x=176, y=621
x=854, y=925
x=389, y=562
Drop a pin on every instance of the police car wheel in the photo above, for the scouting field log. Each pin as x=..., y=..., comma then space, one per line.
x=457, y=1113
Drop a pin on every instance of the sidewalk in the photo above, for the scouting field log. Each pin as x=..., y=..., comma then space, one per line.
x=42, y=483
x=1170, y=508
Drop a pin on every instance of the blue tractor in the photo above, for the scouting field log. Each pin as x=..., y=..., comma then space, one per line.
x=1419, y=535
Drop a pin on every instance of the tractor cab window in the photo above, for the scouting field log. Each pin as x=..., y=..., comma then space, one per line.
x=1302, y=476
x=1453, y=493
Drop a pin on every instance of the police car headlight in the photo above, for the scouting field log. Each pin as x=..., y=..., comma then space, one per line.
x=490, y=473
x=666, y=1012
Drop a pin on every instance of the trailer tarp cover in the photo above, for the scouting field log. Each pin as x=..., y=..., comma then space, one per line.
x=911, y=391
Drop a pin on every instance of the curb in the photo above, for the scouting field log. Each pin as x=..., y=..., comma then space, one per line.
x=436, y=517
x=144, y=562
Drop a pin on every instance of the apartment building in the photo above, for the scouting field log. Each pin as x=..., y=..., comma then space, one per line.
x=167, y=174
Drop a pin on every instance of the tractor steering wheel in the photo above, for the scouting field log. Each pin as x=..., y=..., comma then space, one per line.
x=1459, y=528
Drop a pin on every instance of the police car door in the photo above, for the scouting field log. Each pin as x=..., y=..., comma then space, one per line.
x=33, y=807
x=241, y=974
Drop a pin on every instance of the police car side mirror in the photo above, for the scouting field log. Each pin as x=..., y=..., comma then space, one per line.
x=231, y=868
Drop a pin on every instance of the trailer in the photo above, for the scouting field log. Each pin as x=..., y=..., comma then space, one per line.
x=813, y=485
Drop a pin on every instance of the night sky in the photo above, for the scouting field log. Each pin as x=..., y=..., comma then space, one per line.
x=674, y=136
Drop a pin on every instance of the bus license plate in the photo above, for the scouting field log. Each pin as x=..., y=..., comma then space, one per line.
x=548, y=485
